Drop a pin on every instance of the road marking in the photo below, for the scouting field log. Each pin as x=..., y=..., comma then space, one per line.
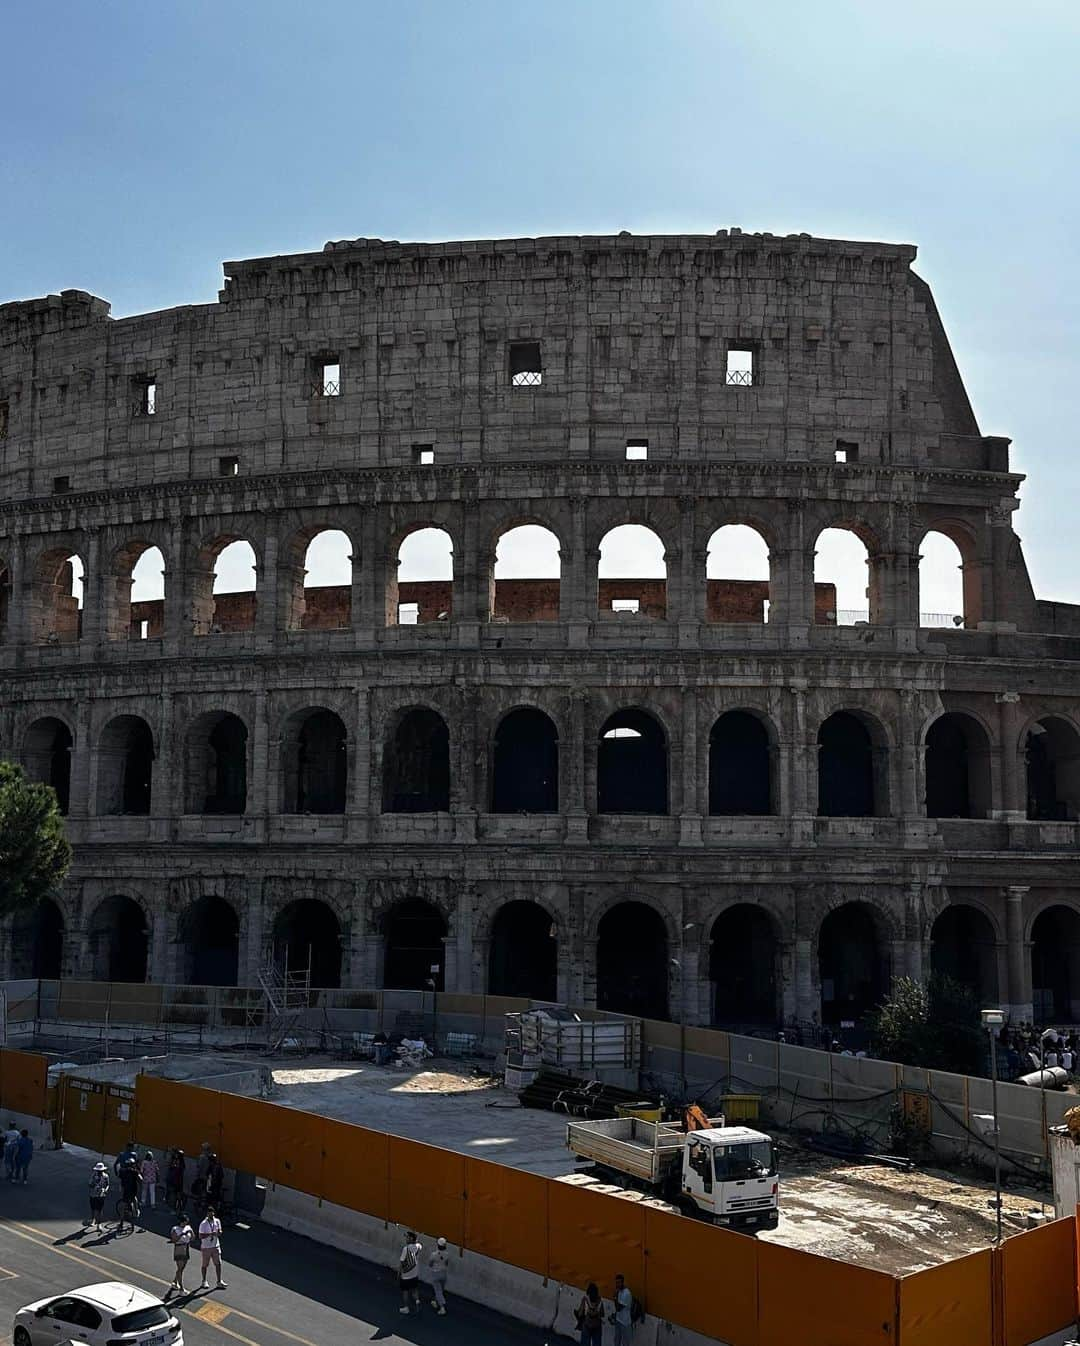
x=211, y=1312
x=45, y=1240
x=6, y=1275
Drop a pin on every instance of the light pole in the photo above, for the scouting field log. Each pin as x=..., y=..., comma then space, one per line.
x=992, y=1020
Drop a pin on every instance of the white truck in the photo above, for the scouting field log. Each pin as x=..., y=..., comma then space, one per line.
x=724, y=1174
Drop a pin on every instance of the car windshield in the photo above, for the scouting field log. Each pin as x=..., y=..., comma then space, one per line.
x=752, y=1160
x=157, y=1315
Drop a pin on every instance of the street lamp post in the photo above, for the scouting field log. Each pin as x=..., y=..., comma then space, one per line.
x=993, y=1019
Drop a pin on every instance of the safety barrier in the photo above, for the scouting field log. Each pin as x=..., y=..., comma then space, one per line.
x=708, y=1280
x=24, y=1083
x=96, y=1114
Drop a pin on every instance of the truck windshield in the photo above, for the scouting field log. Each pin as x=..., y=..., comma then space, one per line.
x=752, y=1160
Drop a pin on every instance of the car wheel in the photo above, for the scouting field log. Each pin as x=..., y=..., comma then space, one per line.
x=21, y=1337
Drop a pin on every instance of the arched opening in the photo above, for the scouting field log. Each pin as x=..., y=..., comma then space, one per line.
x=1055, y=965
x=740, y=766
x=5, y=598
x=525, y=767
x=416, y=769
x=850, y=780
x=415, y=955
x=37, y=942
x=125, y=766
x=56, y=614
x=957, y=768
x=307, y=934
x=217, y=764
x=632, y=961
x=523, y=955
x=737, y=575
x=210, y=937
x=632, y=573
x=224, y=588
x=941, y=582
x=631, y=765
x=843, y=593
x=742, y=968
x=1052, y=764
x=137, y=603
x=119, y=941
x=316, y=763
x=322, y=600
x=963, y=947
x=853, y=971
x=421, y=588
x=526, y=575
x=47, y=757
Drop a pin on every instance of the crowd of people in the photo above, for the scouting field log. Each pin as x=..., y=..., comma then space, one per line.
x=1027, y=1048
x=18, y=1152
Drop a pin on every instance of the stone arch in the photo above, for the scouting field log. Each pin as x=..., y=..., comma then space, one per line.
x=216, y=764
x=744, y=954
x=414, y=952
x=420, y=575
x=838, y=598
x=853, y=765
x=125, y=761
x=315, y=767
x=632, y=960
x=1055, y=963
x=941, y=599
x=1051, y=747
x=322, y=552
x=526, y=574
x=523, y=951
x=525, y=763
x=307, y=934
x=37, y=941
x=632, y=571
x=209, y=936
x=225, y=586
x=135, y=597
x=742, y=760
x=966, y=542
x=737, y=574
x=59, y=576
x=963, y=946
x=416, y=763
x=47, y=751
x=632, y=764
x=853, y=961
x=958, y=777
x=118, y=934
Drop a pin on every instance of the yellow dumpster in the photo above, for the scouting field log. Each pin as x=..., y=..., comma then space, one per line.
x=740, y=1107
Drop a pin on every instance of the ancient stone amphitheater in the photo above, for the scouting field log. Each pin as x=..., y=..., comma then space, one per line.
x=519, y=762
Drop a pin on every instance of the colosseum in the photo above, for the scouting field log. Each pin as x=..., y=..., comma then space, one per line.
x=380, y=618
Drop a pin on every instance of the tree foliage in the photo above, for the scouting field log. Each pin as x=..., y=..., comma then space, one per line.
x=934, y=1024
x=34, y=853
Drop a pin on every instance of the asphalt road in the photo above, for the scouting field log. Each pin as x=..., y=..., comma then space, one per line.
x=283, y=1290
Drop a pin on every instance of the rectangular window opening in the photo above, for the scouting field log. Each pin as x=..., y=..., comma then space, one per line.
x=5, y=413
x=408, y=614
x=740, y=366
x=228, y=467
x=327, y=380
x=60, y=485
x=525, y=368
x=626, y=605
x=423, y=454
x=846, y=451
x=144, y=629
x=637, y=450
x=146, y=395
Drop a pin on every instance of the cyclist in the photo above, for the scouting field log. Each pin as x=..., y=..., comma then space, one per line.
x=99, y=1190
x=129, y=1194
x=128, y=1152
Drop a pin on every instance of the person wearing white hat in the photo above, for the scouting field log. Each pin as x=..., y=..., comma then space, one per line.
x=99, y=1189
x=438, y=1268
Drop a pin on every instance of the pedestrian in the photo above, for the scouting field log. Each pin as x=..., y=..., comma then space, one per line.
x=148, y=1176
x=129, y=1154
x=214, y=1183
x=181, y=1236
x=99, y=1190
x=622, y=1317
x=129, y=1192
x=174, y=1179
x=409, y=1273
x=11, y=1145
x=438, y=1270
x=24, y=1152
x=210, y=1245
x=590, y=1316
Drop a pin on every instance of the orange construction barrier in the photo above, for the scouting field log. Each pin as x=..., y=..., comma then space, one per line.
x=702, y=1277
x=298, y=1161
x=506, y=1215
x=1038, y=1282
x=952, y=1302
x=356, y=1168
x=592, y=1236
x=818, y=1302
x=171, y=1114
x=248, y=1140
x=23, y=1082
x=427, y=1188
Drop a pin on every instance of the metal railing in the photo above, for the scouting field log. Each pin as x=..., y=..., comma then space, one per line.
x=741, y=378
x=940, y=619
x=527, y=378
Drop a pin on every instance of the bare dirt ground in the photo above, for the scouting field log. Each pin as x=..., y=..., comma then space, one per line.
x=874, y=1215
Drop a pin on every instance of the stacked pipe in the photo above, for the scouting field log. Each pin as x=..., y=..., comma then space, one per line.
x=587, y=1100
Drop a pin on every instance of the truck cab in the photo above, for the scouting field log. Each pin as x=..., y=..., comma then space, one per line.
x=729, y=1174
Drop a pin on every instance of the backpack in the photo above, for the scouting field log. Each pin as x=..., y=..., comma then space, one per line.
x=637, y=1311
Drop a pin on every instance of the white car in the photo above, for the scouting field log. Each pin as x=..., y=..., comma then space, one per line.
x=111, y=1312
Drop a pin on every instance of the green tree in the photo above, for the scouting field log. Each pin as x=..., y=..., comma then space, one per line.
x=34, y=853
x=933, y=1024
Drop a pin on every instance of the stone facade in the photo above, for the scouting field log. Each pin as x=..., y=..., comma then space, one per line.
x=215, y=821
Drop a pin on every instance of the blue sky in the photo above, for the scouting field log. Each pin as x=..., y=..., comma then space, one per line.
x=143, y=144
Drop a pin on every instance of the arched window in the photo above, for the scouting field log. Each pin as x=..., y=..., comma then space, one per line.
x=217, y=764
x=851, y=772
x=740, y=766
x=941, y=582
x=56, y=616
x=632, y=961
x=957, y=768
x=632, y=572
x=737, y=575
x=323, y=601
x=210, y=939
x=851, y=963
x=234, y=591
x=47, y=757
x=414, y=951
x=1052, y=770
x=307, y=938
x=963, y=947
x=742, y=968
x=37, y=942
x=315, y=763
x=526, y=575
x=119, y=941
x=423, y=588
x=842, y=590
x=125, y=766
x=137, y=601
x=1055, y=965
x=525, y=766
x=523, y=956
x=416, y=767
x=631, y=765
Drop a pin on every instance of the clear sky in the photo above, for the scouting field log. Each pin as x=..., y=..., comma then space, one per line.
x=141, y=144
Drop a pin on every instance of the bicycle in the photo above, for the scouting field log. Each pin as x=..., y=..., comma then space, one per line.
x=127, y=1212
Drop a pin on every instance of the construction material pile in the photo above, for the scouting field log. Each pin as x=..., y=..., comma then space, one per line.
x=589, y=1100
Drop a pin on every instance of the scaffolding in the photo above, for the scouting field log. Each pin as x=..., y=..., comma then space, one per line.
x=286, y=998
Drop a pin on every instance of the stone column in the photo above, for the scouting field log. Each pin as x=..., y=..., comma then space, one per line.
x=909, y=751
x=1001, y=583
x=807, y=988
x=1021, y=1005
x=572, y=567
x=361, y=788
x=576, y=804
x=690, y=812
x=802, y=755
x=268, y=615
x=463, y=940
x=159, y=969
x=1013, y=787
x=95, y=596
x=79, y=798
x=259, y=804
